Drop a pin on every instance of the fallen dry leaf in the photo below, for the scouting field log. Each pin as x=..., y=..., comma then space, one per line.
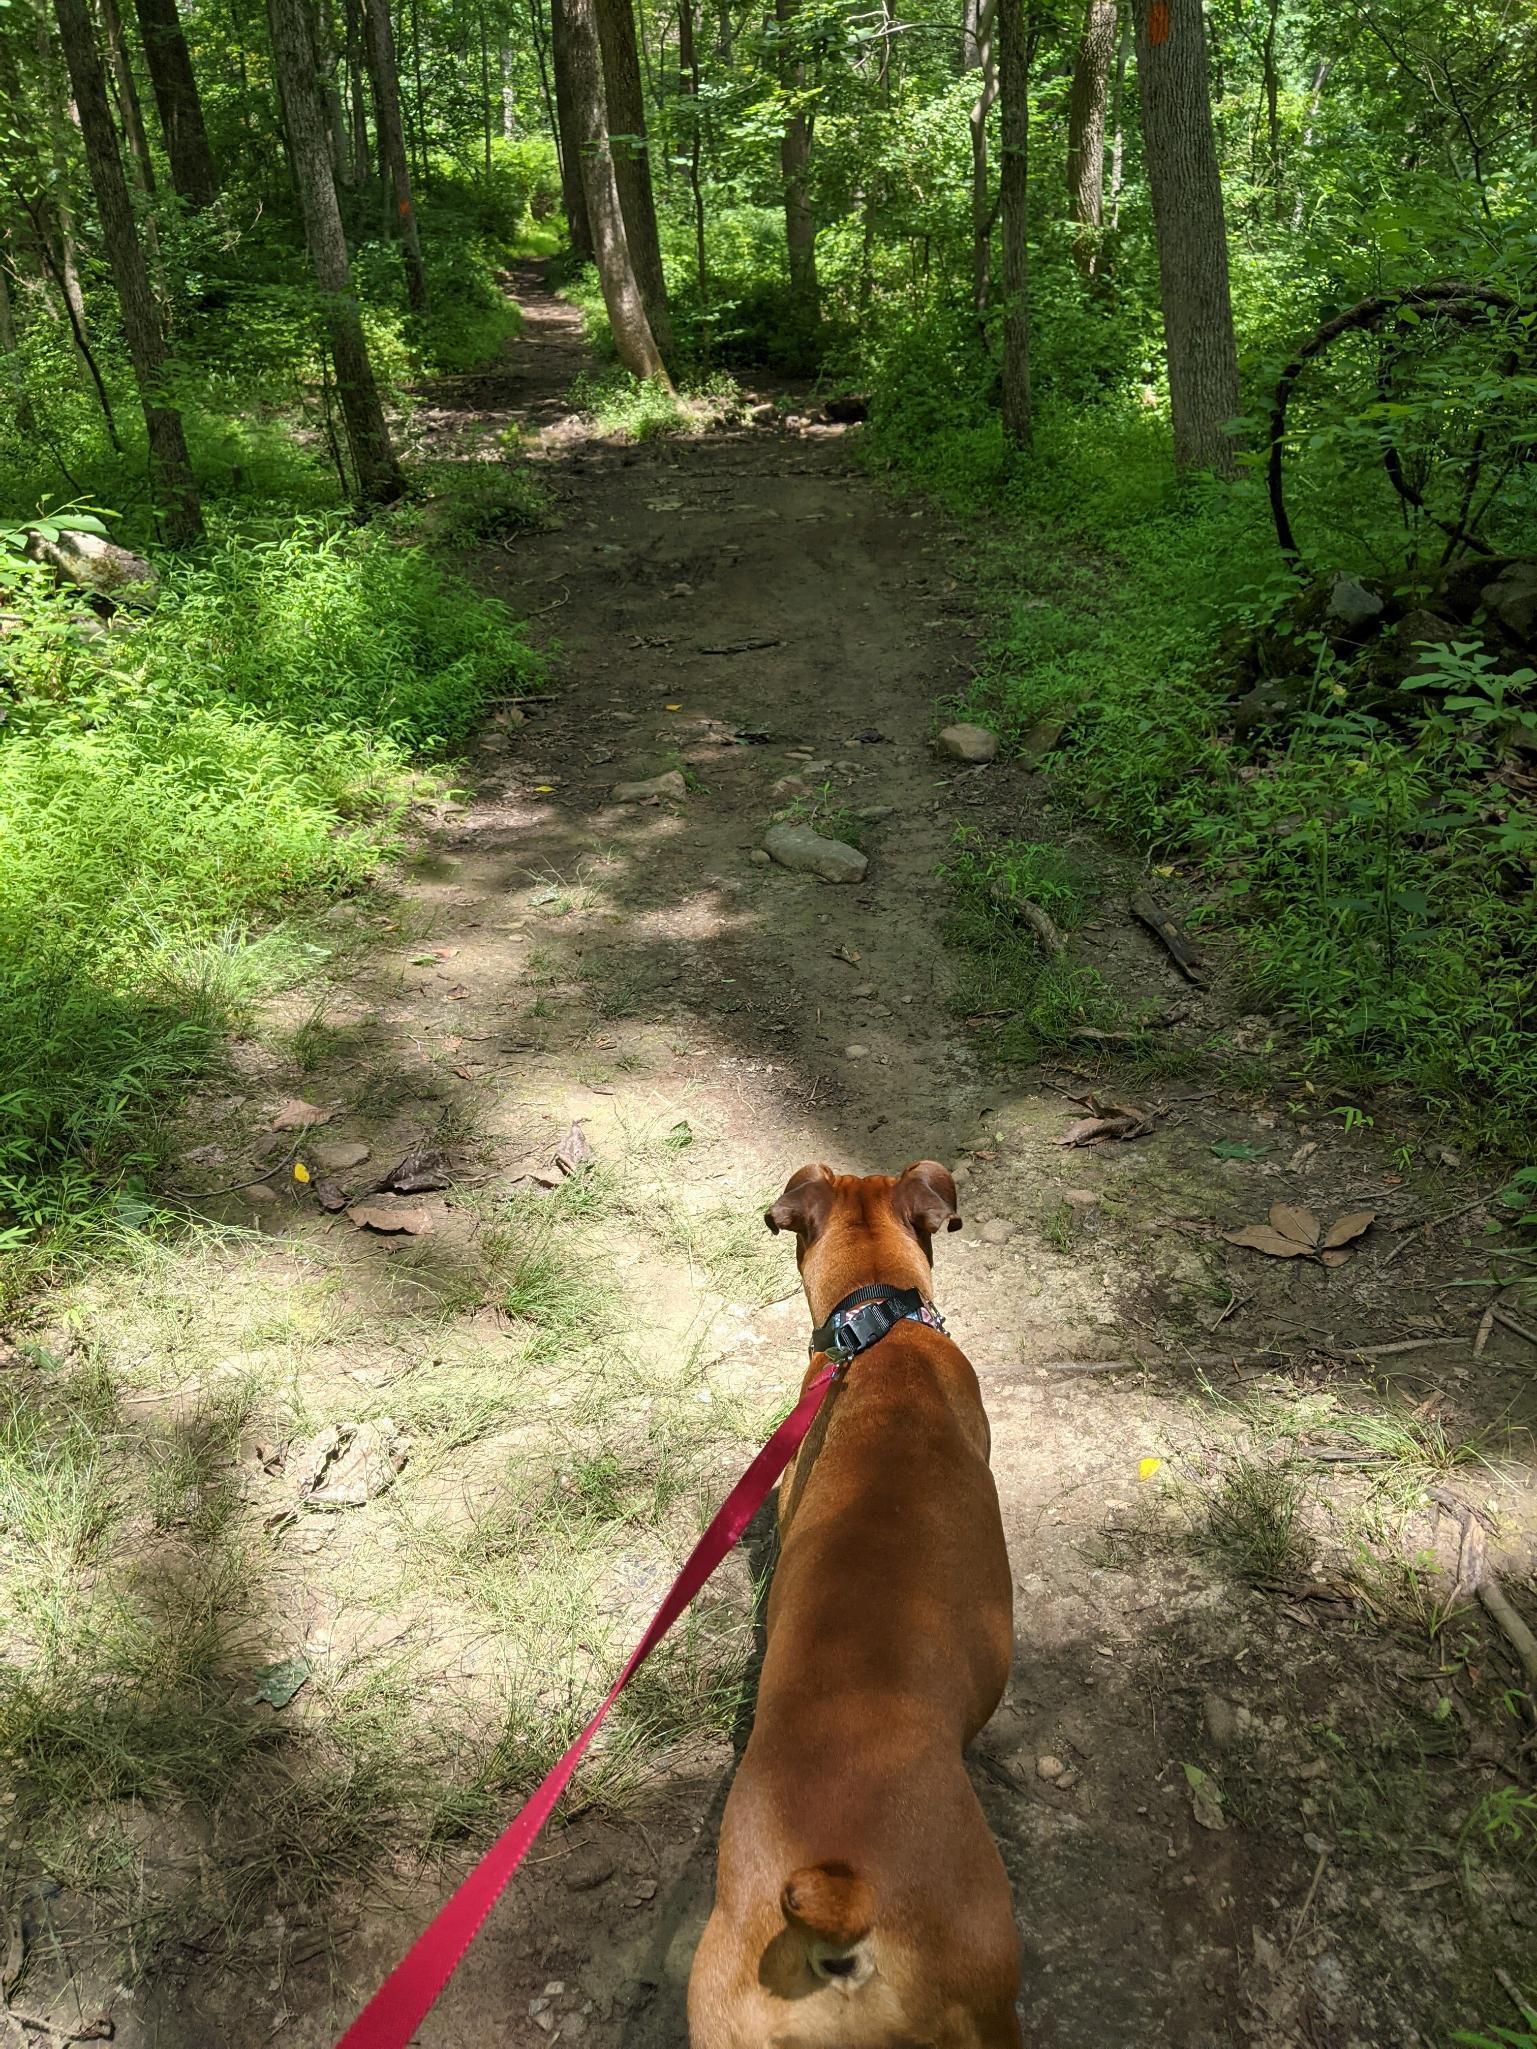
x=381, y=1216
x=847, y=953
x=575, y=1153
x=1109, y=1120
x=329, y=1196
x=297, y=1115
x=1344, y=1229
x=424, y=1168
x=1265, y=1238
x=1294, y=1233
x=1292, y=1222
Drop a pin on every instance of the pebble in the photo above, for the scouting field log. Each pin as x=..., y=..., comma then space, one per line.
x=862, y=990
x=856, y=1052
x=1049, y=1768
x=1080, y=1198
x=259, y=1194
x=803, y=851
x=997, y=1231
x=762, y=859
x=968, y=743
x=1067, y=1779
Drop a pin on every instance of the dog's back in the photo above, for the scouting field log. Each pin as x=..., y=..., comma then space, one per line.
x=862, y=1903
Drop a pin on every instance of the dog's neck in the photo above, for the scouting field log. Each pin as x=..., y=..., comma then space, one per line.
x=831, y=1280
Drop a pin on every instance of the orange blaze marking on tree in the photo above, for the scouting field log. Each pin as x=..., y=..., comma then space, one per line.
x=1158, y=22
x=405, y=204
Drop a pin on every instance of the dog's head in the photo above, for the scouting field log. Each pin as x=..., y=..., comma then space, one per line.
x=852, y=1229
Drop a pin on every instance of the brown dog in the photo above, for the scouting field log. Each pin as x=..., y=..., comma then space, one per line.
x=860, y=1902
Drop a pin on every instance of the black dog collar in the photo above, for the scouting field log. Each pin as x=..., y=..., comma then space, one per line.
x=865, y=1317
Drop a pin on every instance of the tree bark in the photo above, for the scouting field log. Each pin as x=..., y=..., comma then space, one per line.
x=178, y=103
x=971, y=39
x=633, y=338
x=128, y=97
x=357, y=100
x=170, y=465
x=1086, y=109
x=688, y=69
x=795, y=169
x=983, y=210
x=632, y=162
x=1013, y=183
x=1118, y=120
x=379, y=38
x=568, y=127
x=377, y=477
x=1191, y=232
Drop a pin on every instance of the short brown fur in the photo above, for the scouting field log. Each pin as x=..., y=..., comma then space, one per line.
x=860, y=1901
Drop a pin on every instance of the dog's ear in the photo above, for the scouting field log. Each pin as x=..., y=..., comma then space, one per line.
x=804, y=1205
x=924, y=1198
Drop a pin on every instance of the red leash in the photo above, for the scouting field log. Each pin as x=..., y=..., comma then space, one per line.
x=407, y=1995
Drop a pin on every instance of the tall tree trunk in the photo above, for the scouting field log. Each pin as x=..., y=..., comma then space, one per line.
x=127, y=97
x=1118, y=120
x=1013, y=183
x=178, y=103
x=170, y=465
x=380, y=39
x=632, y=161
x=1192, y=234
x=1272, y=84
x=1086, y=109
x=373, y=460
x=983, y=209
x=509, y=93
x=568, y=125
x=421, y=93
x=688, y=67
x=59, y=208
x=633, y=338
x=546, y=91
x=484, y=32
x=971, y=39
x=726, y=44
x=328, y=57
x=357, y=100
x=10, y=348
x=795, y=168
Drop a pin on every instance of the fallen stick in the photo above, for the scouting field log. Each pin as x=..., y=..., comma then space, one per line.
x=1433, y=1224
x=741, y=647
x=1031, y=914
x=1486, y=1324
x=1166, y=928
x=1475, y=1579
x=1510, y=1323
x=1302, y=1911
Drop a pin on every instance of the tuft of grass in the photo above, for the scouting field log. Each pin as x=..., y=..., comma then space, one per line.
x=1251, y=1522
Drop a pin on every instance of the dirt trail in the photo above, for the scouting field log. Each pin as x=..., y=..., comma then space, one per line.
x=749, y=606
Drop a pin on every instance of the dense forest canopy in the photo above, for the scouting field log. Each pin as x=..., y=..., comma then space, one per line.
x=1238, y=300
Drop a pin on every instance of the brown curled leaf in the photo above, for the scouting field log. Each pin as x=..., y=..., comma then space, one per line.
x=1344, y=1229
x=1262, y=1238
x=1294, y=1222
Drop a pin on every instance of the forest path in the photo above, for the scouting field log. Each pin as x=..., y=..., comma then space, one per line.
x=749, y=607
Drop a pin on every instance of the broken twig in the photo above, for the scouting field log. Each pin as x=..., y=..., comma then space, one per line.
x=1166, y=927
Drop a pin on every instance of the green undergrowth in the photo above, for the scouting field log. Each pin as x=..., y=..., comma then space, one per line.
x=1380, y=877
x=168, y=789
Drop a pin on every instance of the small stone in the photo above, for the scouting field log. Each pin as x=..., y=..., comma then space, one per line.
x=1067, y=1779
x=968, y=743
x=586, y=1870
x=856, y=1052
x=669, y=785
x=761, y=858
x=338, y=1158
x=997, y=1231
x=872, y=814
x=1050, y=1768
x=1080, y=1198
x=536, y=2007
x=260, y=1194
x=546, y=2021
x=863, y=990
x=1040, y=741
x=1221, y=1719
x=555, y=1989
x=805, y=852
x=1351, y=603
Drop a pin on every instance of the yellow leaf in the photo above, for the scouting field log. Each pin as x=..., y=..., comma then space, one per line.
x=1147, y=1467
x=301, y=1172
x=673, y=707
x=545, y=789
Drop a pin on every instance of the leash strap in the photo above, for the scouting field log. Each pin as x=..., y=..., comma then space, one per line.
x=869, y=1314
x=407, y=1995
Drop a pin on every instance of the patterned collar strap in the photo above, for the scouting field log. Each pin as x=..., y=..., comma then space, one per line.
x=865, y=1317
